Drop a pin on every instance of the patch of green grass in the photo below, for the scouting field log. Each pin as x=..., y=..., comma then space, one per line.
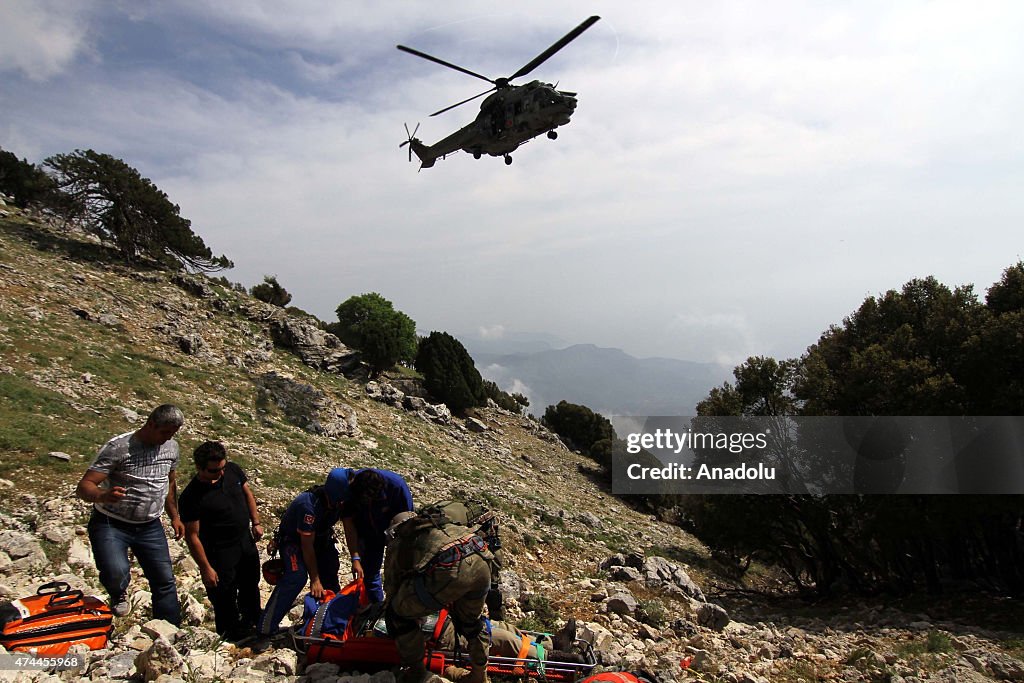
x=572, y=545
x=36, y=420
x=40, y=359
x=1014, y=646
x=98, y=363
x=551, y=520
x=930, y=653
x=393, y=454
x=56, y=553
x=402, y=371
x=938, y=641
x=282, y=477
x=653, y=612
x=543, y=611
x=531, y=623
x=860, y=658
x=296, y=447
x=39, y=474
x=800, y=671
x=219, y=425
x=678, y=553
x=615, y=541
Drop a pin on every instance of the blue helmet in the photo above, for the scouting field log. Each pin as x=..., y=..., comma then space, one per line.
x=336, y=485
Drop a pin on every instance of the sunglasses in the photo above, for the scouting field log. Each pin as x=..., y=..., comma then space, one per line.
x=216, y=470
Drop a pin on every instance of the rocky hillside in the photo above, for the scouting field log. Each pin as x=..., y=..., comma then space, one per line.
x=88, y=345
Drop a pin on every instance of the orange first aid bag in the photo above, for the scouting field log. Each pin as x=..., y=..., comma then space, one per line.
x=55, y=618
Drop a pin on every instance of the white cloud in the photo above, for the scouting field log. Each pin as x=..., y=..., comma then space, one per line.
x=510, y=384
x=492, y=332
x=40, y=39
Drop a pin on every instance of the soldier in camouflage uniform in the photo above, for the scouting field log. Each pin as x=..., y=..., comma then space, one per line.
x=485, y=523
x=432, y=563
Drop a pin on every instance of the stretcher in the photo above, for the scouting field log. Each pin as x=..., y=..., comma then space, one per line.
x=362, y=644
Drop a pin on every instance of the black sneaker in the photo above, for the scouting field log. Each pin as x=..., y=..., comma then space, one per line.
x=121, y=607
x=260, y=644
x=242, y=635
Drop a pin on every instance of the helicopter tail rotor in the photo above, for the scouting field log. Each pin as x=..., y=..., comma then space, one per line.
x=410, y=138
x=426, y=156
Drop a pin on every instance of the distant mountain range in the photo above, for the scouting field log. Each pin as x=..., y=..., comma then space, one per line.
x=608, y=381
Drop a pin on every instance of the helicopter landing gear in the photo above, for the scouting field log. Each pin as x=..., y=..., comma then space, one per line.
x=508, y=160
x=552, y=135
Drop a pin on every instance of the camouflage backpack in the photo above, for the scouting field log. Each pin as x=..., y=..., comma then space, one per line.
x=474, y=515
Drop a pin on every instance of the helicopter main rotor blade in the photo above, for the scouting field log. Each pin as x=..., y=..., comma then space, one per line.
x=458, y=104
x=430, y=58
x=565, y=40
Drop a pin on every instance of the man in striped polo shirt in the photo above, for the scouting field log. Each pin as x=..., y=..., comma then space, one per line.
x=129, y=482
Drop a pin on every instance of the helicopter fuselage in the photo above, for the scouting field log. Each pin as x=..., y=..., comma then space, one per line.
x=508, y=118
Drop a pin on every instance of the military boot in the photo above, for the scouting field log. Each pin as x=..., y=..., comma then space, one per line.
x=414, y=674
x=566, y=656
x=566, y=636
x=455, y=673
x=478, y=674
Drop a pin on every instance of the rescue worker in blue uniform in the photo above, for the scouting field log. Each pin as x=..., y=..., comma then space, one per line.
x=305, y=540
x=372, y=497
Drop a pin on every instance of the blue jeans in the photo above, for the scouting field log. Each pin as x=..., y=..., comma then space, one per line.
x=111, y=538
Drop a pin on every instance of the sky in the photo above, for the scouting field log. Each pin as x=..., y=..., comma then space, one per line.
x=738, y=175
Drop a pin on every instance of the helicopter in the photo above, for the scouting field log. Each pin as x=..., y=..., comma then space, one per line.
x=509, y=117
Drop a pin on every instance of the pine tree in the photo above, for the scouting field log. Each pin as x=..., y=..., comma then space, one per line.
x=370, y=323
x=111, y=199
x=449, y=372
x=270, y=291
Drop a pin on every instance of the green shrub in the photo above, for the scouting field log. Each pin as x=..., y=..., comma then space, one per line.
x=449, y=372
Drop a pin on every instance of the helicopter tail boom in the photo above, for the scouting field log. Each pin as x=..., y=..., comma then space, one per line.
x=423, y=152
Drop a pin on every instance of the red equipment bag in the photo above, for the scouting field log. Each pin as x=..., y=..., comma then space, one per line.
x=55, y=618
x=612, y=677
